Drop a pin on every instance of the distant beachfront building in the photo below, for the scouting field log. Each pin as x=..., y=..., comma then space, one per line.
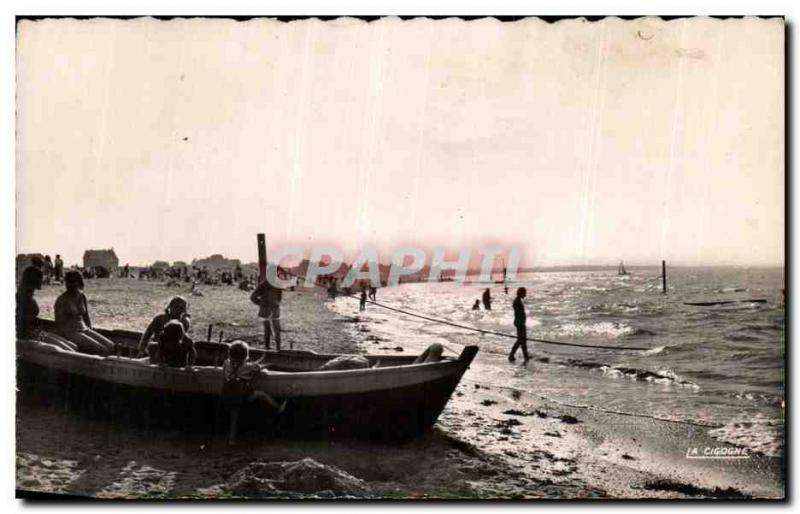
x=162, y=265
x=103, y=263
x=216, y=262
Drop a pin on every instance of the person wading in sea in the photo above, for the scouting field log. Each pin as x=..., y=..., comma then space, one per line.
x=519, y=323
x=363, y=303
x=487, y=300
x=268, y=298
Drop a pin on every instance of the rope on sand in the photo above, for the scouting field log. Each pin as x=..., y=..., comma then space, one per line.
x=480, y=330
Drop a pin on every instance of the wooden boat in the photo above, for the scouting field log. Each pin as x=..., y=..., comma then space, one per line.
x=395, y=399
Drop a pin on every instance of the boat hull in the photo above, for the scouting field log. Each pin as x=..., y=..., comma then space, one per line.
x=393, y=402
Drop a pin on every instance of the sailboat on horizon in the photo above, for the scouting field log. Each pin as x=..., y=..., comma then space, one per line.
x=621, y=271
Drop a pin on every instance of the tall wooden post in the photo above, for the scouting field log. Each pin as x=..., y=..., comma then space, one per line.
x=664, y=276
x=262, y=258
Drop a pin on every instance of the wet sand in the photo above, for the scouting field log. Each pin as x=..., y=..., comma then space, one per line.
x=491, y=442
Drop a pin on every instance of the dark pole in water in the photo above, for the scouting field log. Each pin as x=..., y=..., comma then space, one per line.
x=664, y=276
x=262, y=258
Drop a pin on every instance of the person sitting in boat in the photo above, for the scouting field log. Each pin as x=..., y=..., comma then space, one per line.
x=174, y=348
x=237, y=387
x=28, y=311
x=432, y=353
x=73, y=321
x=177, y=309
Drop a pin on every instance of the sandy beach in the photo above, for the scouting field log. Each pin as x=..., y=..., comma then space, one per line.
x=491, y=442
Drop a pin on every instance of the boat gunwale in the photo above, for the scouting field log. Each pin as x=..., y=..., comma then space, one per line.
x=111, y=362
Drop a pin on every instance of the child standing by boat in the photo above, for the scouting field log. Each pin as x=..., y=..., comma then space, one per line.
x=238, y=389
x=268, y=298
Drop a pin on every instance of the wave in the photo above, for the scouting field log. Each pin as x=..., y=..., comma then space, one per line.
x=602, y=328
x=761, y=434
x=663, y=376
x=772, y=400
x=731, y=290
x=738, y=336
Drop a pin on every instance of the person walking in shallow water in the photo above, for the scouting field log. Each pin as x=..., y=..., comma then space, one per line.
x=363, y=304
x=487, y=299
x=519, y=323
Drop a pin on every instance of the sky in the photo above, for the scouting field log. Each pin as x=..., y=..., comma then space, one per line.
x=578, y=142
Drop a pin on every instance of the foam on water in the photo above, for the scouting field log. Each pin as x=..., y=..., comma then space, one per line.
x=693, y=371
x=603, y=328
x=757, y=433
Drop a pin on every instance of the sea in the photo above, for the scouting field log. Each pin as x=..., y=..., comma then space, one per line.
x=720, y=366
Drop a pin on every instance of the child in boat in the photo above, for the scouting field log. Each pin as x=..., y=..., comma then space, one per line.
x=177, y=310
x=72, y=318
x=174, y=349
x=28, y=311
x=237, y=388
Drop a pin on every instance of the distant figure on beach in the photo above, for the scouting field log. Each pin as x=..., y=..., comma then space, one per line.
x=126, y=271
x=38, y=262
x=177, y=310
x=194, y=291
x=73, y=321
x=27, y=314
x=174, y=348
x=519, y=323
x=48, y=269
x=476, y=306
x=487, y=300
x=362, y=305
x=506, y=289
x=373, y=293
x=237, y=388
x=268, y=298
x=333, y=291
x=58, y=268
